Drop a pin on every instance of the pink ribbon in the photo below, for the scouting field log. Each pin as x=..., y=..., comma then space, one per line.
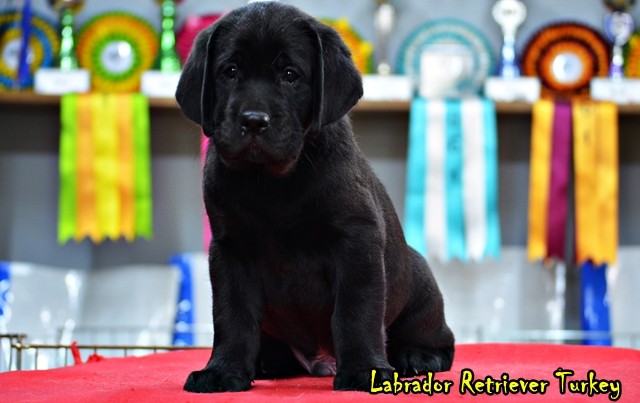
x=206, y=229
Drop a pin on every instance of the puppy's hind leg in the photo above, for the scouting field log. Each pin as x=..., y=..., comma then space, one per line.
x=419, y=340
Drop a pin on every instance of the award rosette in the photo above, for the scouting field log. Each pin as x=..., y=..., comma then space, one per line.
x=361, y=50
x=192, y=26
x=632, y=56
x=117, y=47
x=43, y=46
x=509, y=85
x=65, y=76
x=446, y=58
x=566, y=56
x=162, y=81
x=376, y=87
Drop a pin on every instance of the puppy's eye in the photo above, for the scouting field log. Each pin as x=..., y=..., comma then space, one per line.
x=290, y=75
x=231, y=72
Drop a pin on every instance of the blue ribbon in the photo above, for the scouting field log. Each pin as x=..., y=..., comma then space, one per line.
x=416, y=174
x=456, y=244
x=5, y=282
x=183, y=333
x=594, y=304
x=491, y=168
x=23, y=75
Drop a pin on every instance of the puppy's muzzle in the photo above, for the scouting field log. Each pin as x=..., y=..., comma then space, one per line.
x=254, y=122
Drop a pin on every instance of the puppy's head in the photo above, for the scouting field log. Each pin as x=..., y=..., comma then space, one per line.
x=261, y=79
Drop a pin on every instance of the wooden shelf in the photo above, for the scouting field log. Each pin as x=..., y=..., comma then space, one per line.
x=403, y=106
x=509, y=108
x=31, y=98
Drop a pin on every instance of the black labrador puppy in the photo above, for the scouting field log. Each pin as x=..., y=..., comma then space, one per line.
x=309, y=266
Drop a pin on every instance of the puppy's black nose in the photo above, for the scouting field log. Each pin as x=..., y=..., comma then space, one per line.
x=254, y=122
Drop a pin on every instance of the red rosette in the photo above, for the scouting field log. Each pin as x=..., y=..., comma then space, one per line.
x=189, y=30
x=566, y=56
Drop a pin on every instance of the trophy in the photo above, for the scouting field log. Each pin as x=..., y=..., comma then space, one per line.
x=168, y=60
x=66, y=76
x=383, y=23
x=618, y=27
x=509, y=14
x=509, y=85
x=67, y=56
x=163, y=80
x=384, y=86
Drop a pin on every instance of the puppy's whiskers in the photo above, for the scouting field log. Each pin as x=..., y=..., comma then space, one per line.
x=306, y=156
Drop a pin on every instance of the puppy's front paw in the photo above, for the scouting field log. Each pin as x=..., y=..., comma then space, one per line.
x=211, y=380
x=419, y=361
x=361, y=380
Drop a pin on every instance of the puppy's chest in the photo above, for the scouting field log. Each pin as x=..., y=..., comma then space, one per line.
x=295, y=248
x=303, y=279
x=303, y=230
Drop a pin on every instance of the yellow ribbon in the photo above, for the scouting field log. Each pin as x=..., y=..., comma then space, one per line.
x=86, y=224
x=595, y=156
x=125, y=130
x=540, y=170
x=105, y=175
x=584, y=156
x=608, y=181
x=105, y=164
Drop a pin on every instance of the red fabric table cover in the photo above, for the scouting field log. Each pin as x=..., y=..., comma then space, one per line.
x=159, y=378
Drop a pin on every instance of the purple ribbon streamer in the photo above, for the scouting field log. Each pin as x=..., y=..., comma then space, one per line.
x=560, y=171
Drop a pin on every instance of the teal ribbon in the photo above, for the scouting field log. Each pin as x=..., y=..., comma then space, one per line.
x=491, y=171
x=415, y=198
x=456, y=244
x=416, y=173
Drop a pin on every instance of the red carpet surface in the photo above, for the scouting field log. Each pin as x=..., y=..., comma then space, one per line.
x=603, y=374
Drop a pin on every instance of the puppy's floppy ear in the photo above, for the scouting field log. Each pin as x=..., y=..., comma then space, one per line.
x=337, y=83
x=195, y=93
